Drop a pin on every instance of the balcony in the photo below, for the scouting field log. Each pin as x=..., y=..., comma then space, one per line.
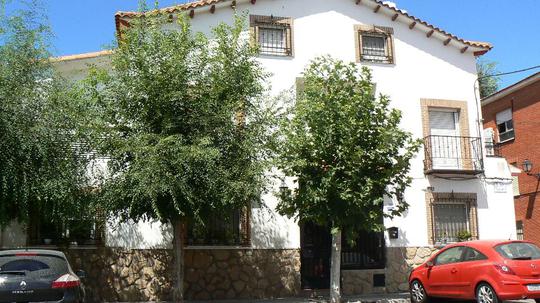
x=453, y=155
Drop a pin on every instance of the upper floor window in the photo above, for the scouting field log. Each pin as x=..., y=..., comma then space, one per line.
x=272, y=34
x=374, y=44
x=505, y=125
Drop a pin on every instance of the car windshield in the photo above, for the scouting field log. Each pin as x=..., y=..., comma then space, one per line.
x=518, y=251
x=33, y=265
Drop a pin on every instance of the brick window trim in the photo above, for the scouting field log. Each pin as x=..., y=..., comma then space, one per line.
x=460, y=106
x=257, y=21
x=469, y=199
x=375, y=30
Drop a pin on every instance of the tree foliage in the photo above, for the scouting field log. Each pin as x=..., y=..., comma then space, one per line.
x=181, y=122
x=346, y=148
x=488, y=85
x=41, y=169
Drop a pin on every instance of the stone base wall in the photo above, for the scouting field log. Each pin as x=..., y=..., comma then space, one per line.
x=147, y=275
x=356, y=282
x=242, y=274
x=400, y=261
x=124, y=275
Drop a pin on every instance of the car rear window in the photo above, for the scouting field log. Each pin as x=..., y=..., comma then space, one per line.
x=38, y=265
x=518, y=251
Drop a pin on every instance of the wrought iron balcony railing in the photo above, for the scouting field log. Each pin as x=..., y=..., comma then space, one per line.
x=453, y=155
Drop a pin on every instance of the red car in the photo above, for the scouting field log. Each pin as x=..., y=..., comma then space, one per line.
x=486, y=271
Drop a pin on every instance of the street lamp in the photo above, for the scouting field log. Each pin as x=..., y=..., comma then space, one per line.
x=527, y=167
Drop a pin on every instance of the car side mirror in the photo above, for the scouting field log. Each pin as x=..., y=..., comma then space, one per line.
x=81, y=274
x=429, y=264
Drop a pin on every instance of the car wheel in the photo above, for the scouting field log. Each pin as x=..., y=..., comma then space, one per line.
x=486, y=294
x=418, y=292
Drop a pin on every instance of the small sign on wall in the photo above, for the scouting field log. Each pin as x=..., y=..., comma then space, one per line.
x=500, y=187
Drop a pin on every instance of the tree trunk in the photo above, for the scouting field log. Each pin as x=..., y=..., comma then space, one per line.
x=335, y=268
x=178, y=249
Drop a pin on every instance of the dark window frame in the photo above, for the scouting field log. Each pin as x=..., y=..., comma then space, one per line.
x=505, y=129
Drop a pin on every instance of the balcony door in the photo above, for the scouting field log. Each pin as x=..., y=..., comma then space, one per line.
x=445, y=138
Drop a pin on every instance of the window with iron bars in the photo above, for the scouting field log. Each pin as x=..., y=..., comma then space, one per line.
x=367, y=252
x=223, y=229
x=272, y=34
x=374, y=44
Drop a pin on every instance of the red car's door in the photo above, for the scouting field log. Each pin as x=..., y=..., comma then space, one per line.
x=443, y=279
x=474, y=262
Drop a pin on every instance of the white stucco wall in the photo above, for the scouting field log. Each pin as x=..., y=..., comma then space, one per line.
x=424, y=68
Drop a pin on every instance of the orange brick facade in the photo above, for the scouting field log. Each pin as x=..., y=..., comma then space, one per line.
x=525, y=105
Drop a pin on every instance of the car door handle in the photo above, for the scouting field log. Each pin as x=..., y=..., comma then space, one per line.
x=453, y=270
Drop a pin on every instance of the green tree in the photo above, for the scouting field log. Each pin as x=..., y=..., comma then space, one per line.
x=487, y=83
x=182, y=123
x=346, y=149
x=42, y=170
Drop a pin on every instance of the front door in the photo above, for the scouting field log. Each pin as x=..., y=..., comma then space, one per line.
x=315, y=245
x=445, y=139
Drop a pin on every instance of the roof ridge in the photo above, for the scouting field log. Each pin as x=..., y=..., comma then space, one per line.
x=201, y=3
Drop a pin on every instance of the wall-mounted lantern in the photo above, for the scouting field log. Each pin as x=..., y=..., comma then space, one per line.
x=528, y=166
x=393, y=232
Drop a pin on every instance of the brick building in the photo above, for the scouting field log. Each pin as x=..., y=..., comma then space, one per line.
x=513, y=114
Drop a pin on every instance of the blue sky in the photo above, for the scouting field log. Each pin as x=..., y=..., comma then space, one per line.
x=511, y=26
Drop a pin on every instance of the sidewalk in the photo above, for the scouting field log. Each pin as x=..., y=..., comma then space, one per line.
x=374, y=298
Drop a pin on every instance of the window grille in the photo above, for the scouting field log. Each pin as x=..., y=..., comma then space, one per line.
x=375, y=44
x=374, y=48
x=273, y=35
x=368, y=252
x=223, y=229
x=449, y=220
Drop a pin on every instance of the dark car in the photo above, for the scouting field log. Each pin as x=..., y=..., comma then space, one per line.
x=488, y=271
x=38, y=276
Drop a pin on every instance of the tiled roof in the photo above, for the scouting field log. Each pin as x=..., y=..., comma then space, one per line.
x=440, y=30
x=173, y=9
x=201, y=3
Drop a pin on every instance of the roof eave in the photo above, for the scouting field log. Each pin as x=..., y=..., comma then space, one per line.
x=510, y=89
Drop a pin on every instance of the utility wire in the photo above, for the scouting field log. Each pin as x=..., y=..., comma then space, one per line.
x=509, y=73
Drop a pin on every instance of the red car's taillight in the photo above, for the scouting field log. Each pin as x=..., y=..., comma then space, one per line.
x=503, y=269
x=66, y=281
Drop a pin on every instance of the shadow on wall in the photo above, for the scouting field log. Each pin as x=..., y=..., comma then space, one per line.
x=268, y=229
x=147, y=234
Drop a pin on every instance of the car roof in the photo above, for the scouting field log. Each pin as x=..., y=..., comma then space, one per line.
x=33, y=251
x=485, y=244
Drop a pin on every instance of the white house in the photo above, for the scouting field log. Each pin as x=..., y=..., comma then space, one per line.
x=428, y=73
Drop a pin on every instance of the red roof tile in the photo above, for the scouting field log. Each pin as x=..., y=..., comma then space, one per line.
x=200, y=3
